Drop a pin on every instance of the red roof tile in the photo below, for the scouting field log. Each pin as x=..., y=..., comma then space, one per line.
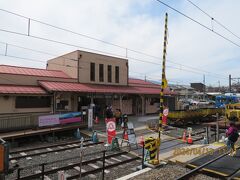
x=78, y=87
x=32, y=71
x=13, y=89
x=142, y=83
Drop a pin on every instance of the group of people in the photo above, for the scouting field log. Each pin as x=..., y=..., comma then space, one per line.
x=121, y=119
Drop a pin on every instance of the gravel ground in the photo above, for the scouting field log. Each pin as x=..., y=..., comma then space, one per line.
x=169, y=172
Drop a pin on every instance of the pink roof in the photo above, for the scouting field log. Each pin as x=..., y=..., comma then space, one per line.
x=142, y=83
x=14, y=89
x=32, y=71
x=78, y=87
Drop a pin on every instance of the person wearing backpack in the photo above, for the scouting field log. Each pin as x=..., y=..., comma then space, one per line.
x=232, y=134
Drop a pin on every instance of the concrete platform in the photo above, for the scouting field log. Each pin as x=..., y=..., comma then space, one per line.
x=224, y=167
x=134, y=174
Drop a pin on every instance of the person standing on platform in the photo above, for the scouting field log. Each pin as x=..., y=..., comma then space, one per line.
x=232, y=134
x=118, y=115
x=109, y=112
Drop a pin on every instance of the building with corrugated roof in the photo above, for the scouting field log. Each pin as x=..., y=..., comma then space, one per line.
x=74, y=81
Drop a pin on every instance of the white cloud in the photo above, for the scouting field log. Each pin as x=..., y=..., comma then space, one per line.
x=130, y=23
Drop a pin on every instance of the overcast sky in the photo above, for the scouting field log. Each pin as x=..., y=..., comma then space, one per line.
x=192, y=51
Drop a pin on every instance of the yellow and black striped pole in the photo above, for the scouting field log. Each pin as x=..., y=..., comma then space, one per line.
x=164, y=81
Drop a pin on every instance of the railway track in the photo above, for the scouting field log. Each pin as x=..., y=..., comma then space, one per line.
x=89, y=168
x=29, y=153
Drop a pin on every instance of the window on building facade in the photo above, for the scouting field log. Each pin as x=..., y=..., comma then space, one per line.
x=101, y=73
x=117, y=74
x=109, y=73
x=33, y=102
x=92, y=71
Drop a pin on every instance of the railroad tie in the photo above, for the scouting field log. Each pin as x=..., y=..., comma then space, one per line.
x=93, y=165
x=10, y=156
x=49, y=149
x=28, y=158
x=47, y=178
x=108, y=161
x=13, y=161
x=60, y=147
x=75, y=145
x=127, y=157
x=23, y=154
x=69, y=145
x=78, y=169
x=37, y=171
x=92, y=176
x=115, y=159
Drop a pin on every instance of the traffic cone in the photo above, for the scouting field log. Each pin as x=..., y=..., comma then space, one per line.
x=184, y=136
x=189, y=140
x=205, y=140
x=141, y=141
x=78, y=134
x=125, y=135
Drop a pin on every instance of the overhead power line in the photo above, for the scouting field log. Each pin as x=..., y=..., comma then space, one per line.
x=197, y=22
x=76, y=46
x=89, y=37
x=214, y=19
x=41, y=61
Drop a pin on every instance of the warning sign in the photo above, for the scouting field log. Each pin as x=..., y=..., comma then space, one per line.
x=165, y=112
x=111, y=128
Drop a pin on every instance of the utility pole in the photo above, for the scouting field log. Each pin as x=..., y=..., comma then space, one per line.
x=78, y=67
x=230, y=84
x=204, y=87
x=219, y=86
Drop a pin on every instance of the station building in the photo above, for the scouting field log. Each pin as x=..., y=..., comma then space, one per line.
x=74, y=81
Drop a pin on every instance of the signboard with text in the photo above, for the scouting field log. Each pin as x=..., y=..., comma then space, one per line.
x=57, y=119
x=48, y=120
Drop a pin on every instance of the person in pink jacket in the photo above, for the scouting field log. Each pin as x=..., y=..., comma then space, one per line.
x=232, y=134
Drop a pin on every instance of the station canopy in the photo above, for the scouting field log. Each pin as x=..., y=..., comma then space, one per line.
x=132, y=88
x=19, y=89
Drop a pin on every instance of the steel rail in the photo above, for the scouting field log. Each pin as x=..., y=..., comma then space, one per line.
x=47, y=152
x=106, y=167
x=50, y=146
x=68, y=167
